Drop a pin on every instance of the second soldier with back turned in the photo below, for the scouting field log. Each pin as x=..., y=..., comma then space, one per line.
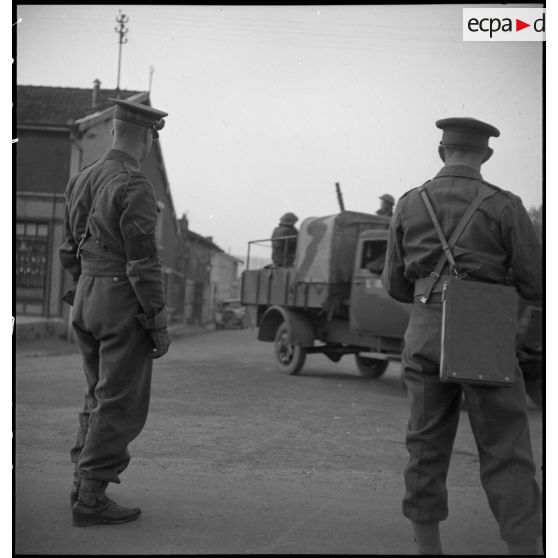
x=498, y=239
x=119, y=315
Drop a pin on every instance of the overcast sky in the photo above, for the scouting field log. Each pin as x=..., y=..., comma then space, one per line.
x=270, y=106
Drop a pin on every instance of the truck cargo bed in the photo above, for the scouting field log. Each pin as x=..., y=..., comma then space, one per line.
x=279, y=286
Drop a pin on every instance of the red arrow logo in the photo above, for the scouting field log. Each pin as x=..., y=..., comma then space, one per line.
x=519, y=25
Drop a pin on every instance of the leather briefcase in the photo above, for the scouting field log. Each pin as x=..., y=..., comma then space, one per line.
x=479, y=324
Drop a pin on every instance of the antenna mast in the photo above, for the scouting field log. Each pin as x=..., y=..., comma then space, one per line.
x=151, y=70
x=122, y=20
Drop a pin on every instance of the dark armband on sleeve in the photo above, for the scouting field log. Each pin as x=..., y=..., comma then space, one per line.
x=140, y=246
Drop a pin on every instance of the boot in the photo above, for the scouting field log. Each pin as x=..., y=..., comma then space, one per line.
x=74, y=494
x=427, y=537
x=75, y=488
x=93, y=507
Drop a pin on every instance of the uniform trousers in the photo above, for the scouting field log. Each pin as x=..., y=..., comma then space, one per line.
x=499, y=422
x=115, y=349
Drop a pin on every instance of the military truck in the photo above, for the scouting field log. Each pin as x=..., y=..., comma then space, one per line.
x=331, y=301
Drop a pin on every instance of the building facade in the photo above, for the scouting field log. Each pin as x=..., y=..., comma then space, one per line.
x=225, y=282
x=197, y=254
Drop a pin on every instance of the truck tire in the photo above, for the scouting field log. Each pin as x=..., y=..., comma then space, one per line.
x=371, y=367
x=289, y=358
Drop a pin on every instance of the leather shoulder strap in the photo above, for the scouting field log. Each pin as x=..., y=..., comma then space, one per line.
x=484, y=193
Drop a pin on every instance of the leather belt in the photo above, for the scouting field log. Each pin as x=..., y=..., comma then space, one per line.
x=102, y=267
x=422, y=282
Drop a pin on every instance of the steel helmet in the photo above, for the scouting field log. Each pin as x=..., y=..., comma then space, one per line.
x=288, y=219
x=389, y=198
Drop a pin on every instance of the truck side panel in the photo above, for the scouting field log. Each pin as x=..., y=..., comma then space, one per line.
x=278, y=287
x=266, y=286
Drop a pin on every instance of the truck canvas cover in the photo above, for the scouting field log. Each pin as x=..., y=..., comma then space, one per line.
x=326, y=246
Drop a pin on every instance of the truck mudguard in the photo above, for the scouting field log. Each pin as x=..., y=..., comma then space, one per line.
x=301, y=332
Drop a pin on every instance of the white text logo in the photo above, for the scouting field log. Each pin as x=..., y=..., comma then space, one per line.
x=503, y=24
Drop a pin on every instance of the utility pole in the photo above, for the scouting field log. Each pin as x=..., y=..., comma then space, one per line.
x=122, y=31
x=151, y=70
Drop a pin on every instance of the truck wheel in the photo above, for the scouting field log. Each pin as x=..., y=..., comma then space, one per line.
x=371, y=367
x=289, y=358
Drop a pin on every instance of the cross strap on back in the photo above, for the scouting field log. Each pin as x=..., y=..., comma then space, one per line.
x=484, y=192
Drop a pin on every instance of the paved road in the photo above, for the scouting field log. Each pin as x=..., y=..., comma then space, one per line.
x=237, y=458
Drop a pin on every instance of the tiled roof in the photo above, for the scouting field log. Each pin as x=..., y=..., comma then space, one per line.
x=194, y=236
x=58, y=106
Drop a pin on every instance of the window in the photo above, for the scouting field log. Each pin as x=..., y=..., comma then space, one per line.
x=373, y=256
x=31, y=267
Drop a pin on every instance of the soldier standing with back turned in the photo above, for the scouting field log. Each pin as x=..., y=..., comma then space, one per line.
x=499, y=237
x=284, y=241
x=119, y=315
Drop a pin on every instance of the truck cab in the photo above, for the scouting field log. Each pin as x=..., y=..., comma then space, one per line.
x=371, y=308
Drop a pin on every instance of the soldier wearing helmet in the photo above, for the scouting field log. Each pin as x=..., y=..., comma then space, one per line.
x=386, y=208
x=498, y=239
x=119, y=315
x=284, y=241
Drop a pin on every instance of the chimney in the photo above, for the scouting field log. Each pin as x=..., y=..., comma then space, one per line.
x=96, y=93
x=183, y=223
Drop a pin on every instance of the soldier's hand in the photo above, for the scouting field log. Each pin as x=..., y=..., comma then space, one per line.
x=161, y=341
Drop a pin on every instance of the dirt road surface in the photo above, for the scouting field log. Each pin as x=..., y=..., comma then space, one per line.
x=237, y=458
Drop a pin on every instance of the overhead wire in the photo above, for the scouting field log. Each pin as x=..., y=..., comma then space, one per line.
x=273, y=32
x=181, y=25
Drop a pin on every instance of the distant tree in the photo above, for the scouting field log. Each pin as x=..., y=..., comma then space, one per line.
x=536, y=215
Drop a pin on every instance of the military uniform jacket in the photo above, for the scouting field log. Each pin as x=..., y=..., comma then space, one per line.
x=122, y=225
x=500, y=236
x=385, y=212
